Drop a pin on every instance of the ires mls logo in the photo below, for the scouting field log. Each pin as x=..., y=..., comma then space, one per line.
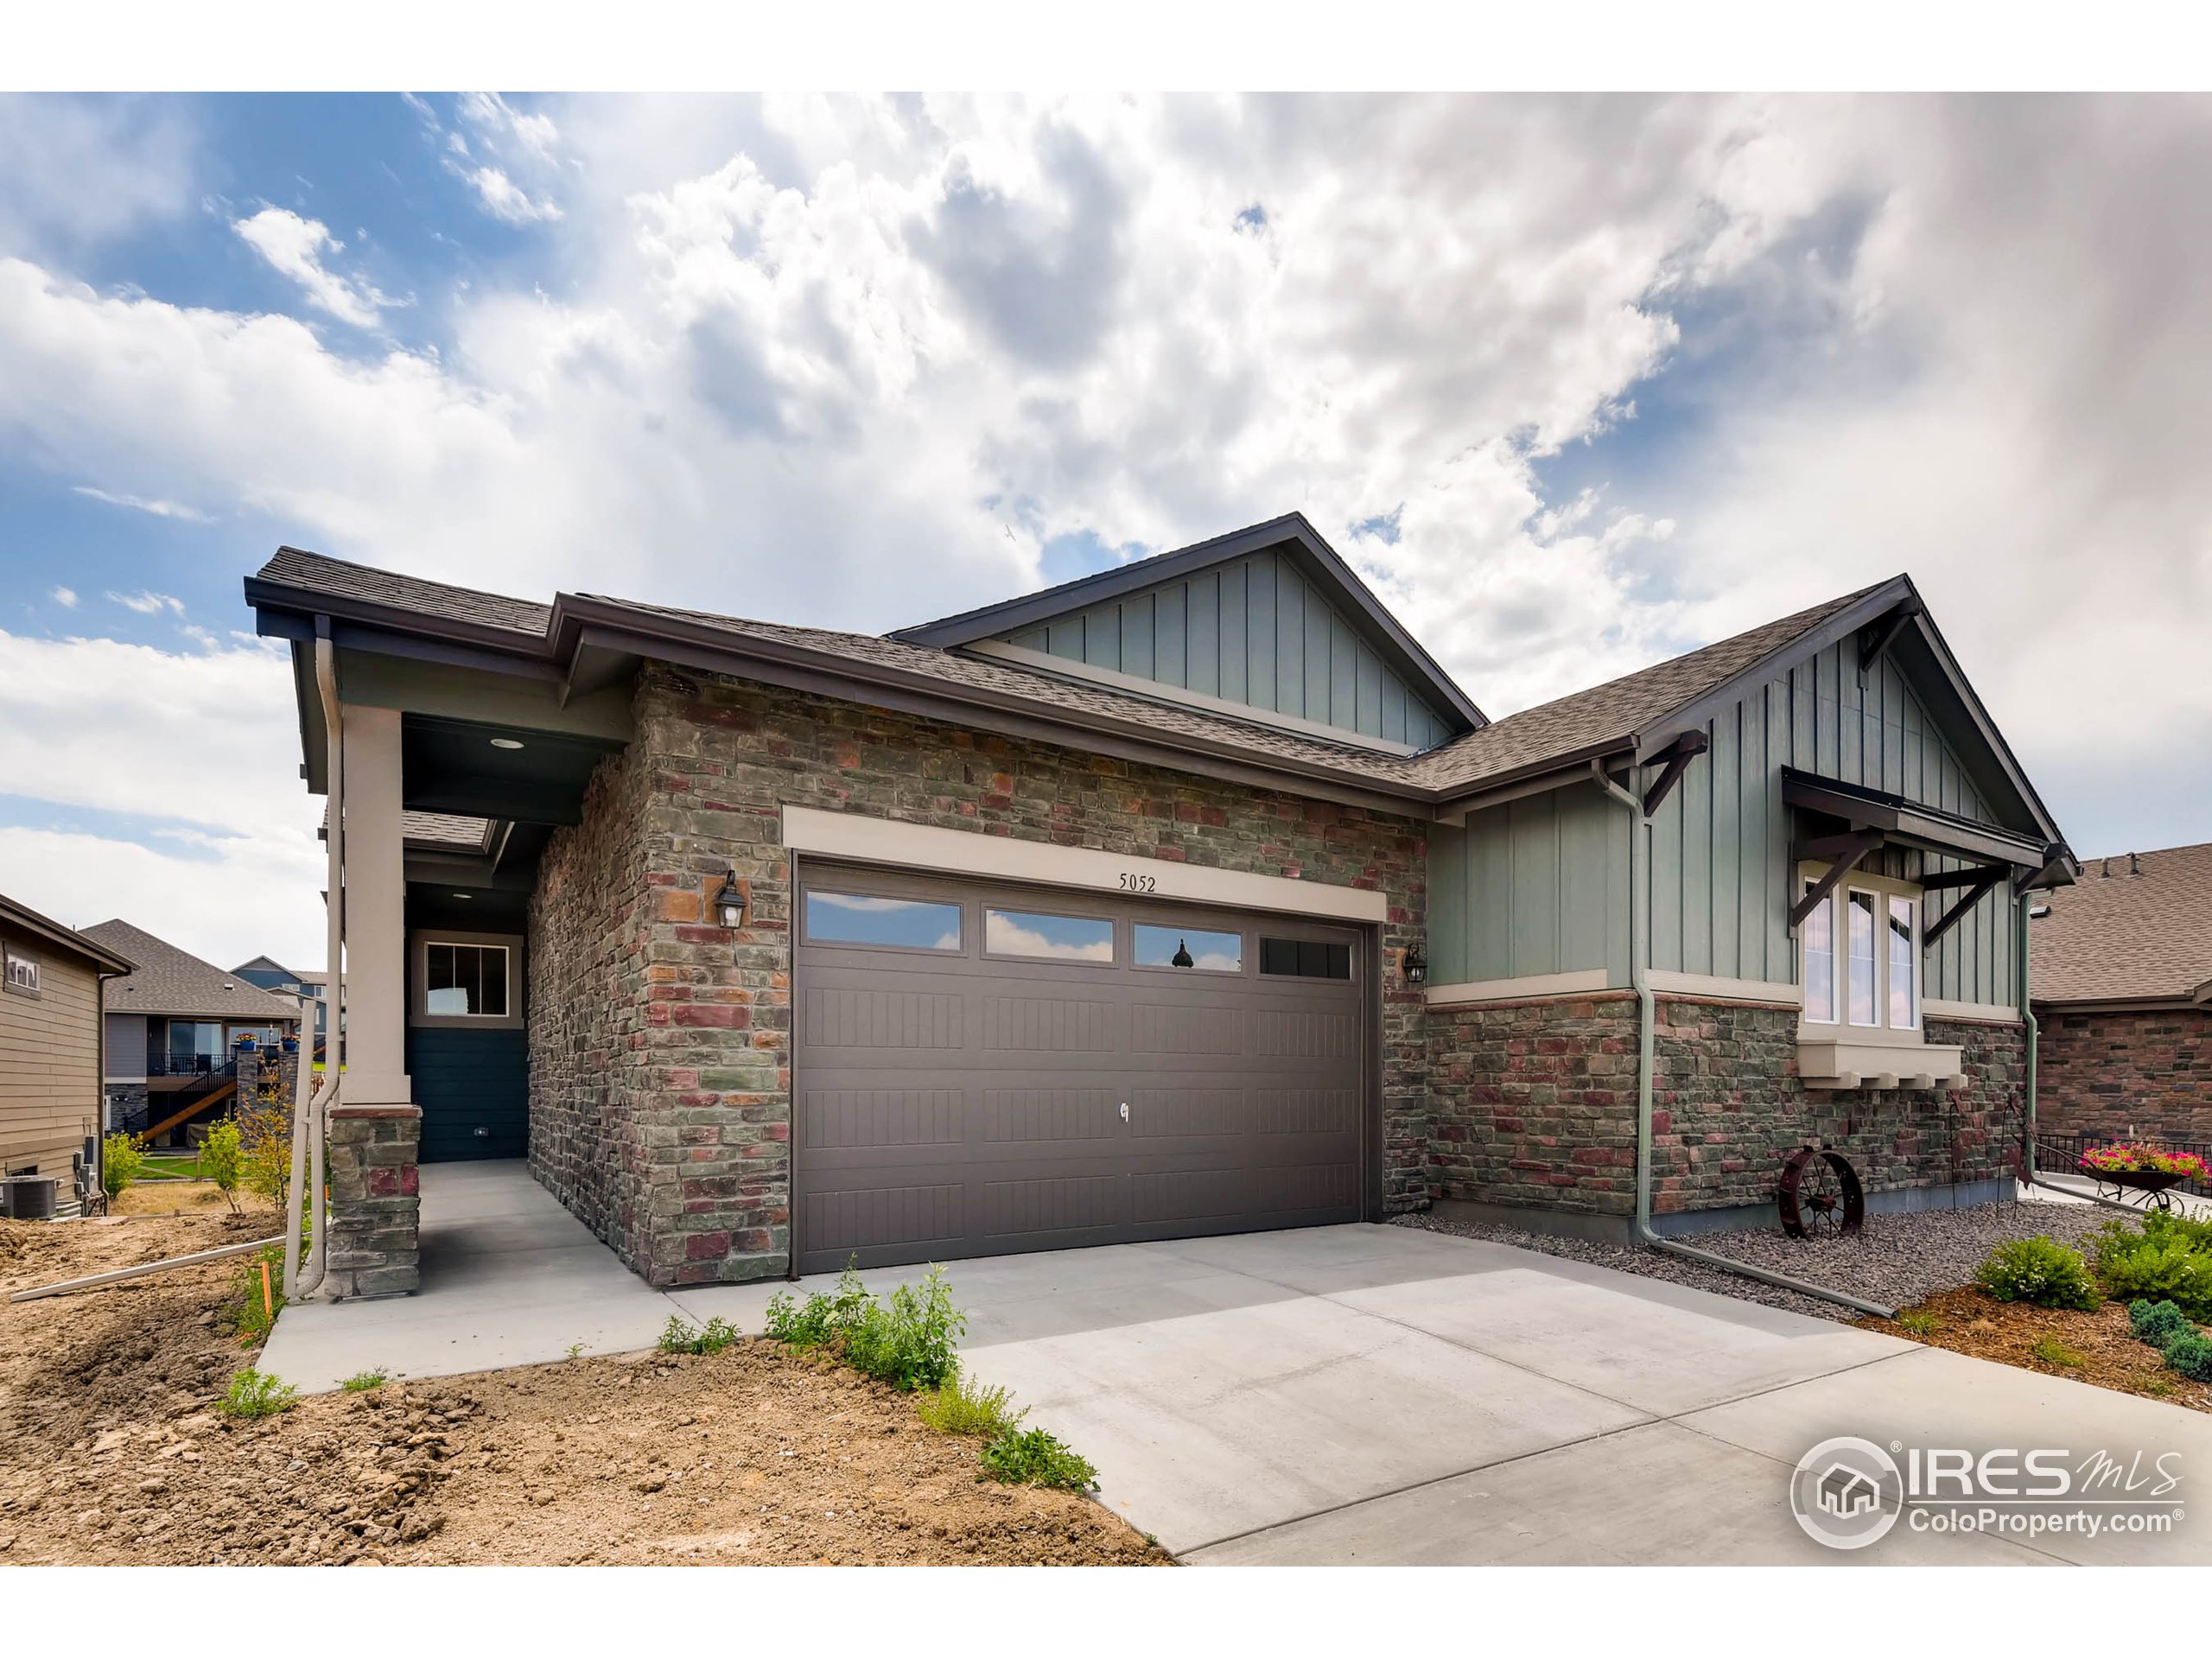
x=1847, y=1493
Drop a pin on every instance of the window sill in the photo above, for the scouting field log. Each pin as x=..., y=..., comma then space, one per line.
x=1853, y=1063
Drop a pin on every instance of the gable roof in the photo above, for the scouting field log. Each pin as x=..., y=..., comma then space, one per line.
x=169, y=981
x=2135, y=927
x=1607, y=717
x=1291, y=532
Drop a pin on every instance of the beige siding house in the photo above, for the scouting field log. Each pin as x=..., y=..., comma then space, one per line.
x=51, y=1003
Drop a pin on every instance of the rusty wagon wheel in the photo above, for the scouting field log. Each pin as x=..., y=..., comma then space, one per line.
x=1820, y=1195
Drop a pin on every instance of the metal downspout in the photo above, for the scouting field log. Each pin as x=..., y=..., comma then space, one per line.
x=1647, y=1019
x=311, y=1109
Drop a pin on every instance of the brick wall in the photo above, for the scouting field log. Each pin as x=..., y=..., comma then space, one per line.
x=2114, y=1074
x=1534, y=1103
x=660, y=1045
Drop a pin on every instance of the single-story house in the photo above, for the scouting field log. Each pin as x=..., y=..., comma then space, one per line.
x=52, y=985
x=173, y=1026
x=2122, y=983
x=1190, y=897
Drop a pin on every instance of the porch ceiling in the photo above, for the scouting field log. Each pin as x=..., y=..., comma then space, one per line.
x=516, y=775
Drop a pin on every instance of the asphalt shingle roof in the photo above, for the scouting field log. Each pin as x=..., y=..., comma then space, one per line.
x=173, y=982
x=1606, y=713
x=2135, y=926
x=1618, y=709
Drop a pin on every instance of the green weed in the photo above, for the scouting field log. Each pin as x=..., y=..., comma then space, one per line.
x=256, y=1394
x=1036, y=1458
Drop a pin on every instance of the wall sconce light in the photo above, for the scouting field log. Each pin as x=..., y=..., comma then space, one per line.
x=731, y=900
x=1415, y=965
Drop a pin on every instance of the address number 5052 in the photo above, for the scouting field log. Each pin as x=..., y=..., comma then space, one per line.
x=1132, y=882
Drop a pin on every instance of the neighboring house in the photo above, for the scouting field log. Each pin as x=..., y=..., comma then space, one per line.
x=173, y=1026
x=1192, y=897
x=2122, y=988
x=303, y=990
x=52, y=980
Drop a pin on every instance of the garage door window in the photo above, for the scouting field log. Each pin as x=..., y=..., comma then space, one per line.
x=1188, y=948
x=863, y=919
x=1053, y=938
x=1305, y=958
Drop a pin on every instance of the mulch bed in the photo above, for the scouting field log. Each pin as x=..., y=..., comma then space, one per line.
x=1971, y=1321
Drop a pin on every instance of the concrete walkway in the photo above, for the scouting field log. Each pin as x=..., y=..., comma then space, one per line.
x=509, y=1278
x=1354, y=1395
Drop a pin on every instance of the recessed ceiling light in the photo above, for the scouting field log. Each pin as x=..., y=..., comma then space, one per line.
x=505, y=743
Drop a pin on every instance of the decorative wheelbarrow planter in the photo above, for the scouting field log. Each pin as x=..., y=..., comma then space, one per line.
x=2141, y=1175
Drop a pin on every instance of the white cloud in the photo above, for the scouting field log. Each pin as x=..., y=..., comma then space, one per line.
x=295, y=247
x=212, y=845
x=65, y=597
x=224, y=898
x=504, y=199
x=146, y=603
x=141, y=503
x=857, y=361
x=85, y=171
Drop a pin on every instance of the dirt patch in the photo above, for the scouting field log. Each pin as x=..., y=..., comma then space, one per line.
x=1971, y=1321
x=111, y=1451
x=173, y=1198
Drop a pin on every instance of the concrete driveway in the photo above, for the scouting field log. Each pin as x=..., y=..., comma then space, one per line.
x=1356, y=1394
x=1378, y=1395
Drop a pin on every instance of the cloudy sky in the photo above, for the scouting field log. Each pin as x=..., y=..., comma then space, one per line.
x=1578, y=384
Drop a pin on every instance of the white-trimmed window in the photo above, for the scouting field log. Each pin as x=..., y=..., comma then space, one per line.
x=1859, y=954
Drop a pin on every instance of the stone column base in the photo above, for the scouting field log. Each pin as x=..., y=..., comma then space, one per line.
x=375, y=1218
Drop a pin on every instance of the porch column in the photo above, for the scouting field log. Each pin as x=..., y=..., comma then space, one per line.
x=376, y=913
x=375, y=1130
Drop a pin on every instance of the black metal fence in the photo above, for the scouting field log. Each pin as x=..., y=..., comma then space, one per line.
x=2060, y=1154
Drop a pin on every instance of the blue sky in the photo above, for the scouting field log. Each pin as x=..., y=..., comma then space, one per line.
x=1578, y=385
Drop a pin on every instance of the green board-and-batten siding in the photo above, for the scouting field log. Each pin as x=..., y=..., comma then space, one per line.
x=1521, y=890
x=1252, y=631
x=1535, y=886
x=466, y=1081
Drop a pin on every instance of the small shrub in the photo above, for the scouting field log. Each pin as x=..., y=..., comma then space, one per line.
x=256, y=1394
x=362, y=1381
x=2157, y=1261
x=2038, y=1270
x=908, y=1342
x=681, y=1337
x=222, y=1160
x=2156, y=1323
x=1921, y=1325
x=2052, y=1351
x=121, y=1158
x=823, y=1318
x=265, y=1147
x=962, y=1406
x=2190, y=1352
x=1036, y=1458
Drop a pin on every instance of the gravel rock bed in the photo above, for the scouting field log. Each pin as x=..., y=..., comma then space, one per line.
x=1896, y=1261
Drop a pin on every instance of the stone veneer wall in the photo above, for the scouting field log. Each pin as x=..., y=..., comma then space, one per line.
x=374, y=1248
x=1534, y=1103
x=660, y=1045
x=2119, y=1073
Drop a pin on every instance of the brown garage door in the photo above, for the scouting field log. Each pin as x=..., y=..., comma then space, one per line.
x=980, y=1070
